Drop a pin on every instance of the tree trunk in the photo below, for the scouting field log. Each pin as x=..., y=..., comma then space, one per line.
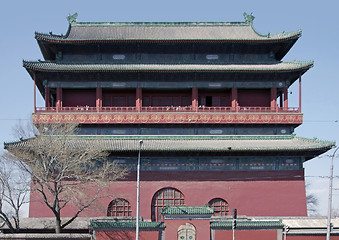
x=57, y=225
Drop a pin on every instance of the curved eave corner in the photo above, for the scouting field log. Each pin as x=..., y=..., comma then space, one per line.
x=283, y=36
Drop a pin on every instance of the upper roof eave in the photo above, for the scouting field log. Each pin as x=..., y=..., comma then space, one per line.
x=60, y=39
x=47, y=66
x=84, y=32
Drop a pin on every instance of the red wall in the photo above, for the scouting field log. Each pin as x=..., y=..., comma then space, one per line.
x=220, y=98
x=78, y=97
x=118, y=98
x=126, y=235
x=166, y=98
x=247, y=234
x=251, y=198
x=254, y=98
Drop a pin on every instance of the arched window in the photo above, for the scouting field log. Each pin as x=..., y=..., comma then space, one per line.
x=119, y=207
x=165, y=197
x=220, y=206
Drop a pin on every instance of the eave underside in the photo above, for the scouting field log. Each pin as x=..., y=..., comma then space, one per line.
x=279, y=49
x=229, y=73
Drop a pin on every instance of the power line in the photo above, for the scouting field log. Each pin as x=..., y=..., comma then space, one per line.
x=328, y=121
x=13, y=119
x=321, y=176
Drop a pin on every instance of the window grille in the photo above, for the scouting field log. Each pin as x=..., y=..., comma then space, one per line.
x=119, y=207
x=220, y=206
x=165, y=197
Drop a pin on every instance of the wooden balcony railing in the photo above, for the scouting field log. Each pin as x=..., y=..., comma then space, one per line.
x=86, y=109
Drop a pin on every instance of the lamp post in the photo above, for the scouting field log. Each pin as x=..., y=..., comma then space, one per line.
x=329, y=212
x=138, y=192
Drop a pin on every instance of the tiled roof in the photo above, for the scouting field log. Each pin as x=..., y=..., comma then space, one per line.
x=194, y=143
x=106, y=67
x=242, y=225
x=309, y=222
x=162, y=31
x=126, y=225
x=183, y=210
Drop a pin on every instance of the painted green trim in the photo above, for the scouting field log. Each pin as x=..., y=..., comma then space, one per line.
x=184, y=210
x=244, y=225
x=114, y=225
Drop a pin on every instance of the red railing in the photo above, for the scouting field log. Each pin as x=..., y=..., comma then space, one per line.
x=168, y=109
x=86, y=109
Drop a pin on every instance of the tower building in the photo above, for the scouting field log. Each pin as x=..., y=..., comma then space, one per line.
x=208, y=99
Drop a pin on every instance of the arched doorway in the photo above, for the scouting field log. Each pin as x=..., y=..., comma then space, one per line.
x=186, y=232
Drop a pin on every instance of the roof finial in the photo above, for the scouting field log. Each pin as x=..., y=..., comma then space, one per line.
x=248, y=18
x=72, y=18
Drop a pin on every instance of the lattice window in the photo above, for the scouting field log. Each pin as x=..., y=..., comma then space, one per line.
x=119, y=207
x=165, y=197
x=220, y=206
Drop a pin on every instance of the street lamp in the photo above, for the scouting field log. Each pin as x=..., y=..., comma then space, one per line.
x=138, y=192
x=329, y=212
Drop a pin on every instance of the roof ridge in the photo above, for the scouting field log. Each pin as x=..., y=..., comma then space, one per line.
x=163, y=23
x=183, y=137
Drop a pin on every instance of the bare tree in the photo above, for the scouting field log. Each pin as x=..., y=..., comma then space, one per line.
x=24, y=129
x=62, y=171
x=335, y=212
x=312, y=202
x=14, y=189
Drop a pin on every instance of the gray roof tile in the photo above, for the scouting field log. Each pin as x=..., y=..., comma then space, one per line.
x=98, y=67
x=177, y=31
x=194, y=143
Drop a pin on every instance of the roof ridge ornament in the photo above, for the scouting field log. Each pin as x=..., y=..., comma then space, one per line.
x=72, y=18
x=249, y=18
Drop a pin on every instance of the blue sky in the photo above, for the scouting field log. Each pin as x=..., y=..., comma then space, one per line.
x=319, y=42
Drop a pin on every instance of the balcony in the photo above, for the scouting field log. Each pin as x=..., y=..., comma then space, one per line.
x=168, y=115
x=165, y=109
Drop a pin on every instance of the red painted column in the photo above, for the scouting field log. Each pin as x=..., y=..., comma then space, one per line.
x=273, y=98
x=195, y=99
x=285, y=98
x=138, y=101
x=34, y=92
x=299, y=92
x=58, y=99
x=235, y=99
x=98, y=98
x=47, y=97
